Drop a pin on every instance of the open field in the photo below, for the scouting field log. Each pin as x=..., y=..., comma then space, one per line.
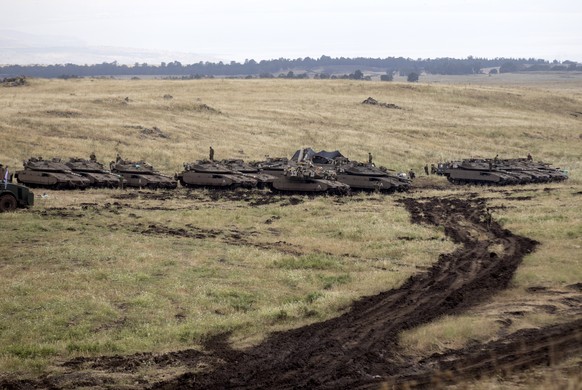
x=166, y=283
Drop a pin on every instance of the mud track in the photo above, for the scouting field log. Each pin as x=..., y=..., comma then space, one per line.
x=359, y=348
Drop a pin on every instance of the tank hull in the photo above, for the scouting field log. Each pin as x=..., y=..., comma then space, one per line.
x=321, y=186
x=101, y=179
x=220, y=180
x=367, y=183
x=54, y=180
x=145, y=180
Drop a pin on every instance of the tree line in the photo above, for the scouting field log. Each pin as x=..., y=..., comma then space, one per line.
x=323, y=67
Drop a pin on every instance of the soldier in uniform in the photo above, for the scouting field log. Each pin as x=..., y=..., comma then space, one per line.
x=211, y=154
x=529, y=157
x=92, y=157
x=426, y=169
x=433, y=169
x=488, y=217
x=369, y=158
x=411, y=174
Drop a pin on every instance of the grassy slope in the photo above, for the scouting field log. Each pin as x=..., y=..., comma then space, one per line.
x=89, y=283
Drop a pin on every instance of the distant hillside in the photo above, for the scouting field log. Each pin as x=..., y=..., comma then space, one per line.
x=323, y=67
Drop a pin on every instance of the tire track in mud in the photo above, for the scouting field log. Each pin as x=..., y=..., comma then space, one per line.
x=359, y=346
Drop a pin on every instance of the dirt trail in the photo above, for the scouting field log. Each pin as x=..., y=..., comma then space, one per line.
x=359, y=348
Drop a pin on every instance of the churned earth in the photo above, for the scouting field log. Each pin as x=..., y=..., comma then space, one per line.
x=359, y=349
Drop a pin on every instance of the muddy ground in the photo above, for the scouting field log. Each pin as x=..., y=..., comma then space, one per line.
x=359, y=349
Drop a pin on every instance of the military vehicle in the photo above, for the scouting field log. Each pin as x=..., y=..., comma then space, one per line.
x=207, y=173
x=274, y=166
x=141, y=174
x=304, y=177
x=264, y=180
x=13, y=196
x=359, y=176
x=499, y=171
x=95, y=172
x=50, y=174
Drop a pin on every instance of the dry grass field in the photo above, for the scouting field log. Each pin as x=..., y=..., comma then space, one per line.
x=118, y=272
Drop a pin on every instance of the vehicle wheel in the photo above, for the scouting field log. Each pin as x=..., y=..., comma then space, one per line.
x=7, y=202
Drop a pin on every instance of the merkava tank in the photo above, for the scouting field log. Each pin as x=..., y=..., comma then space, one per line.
x=53, y=173
x=141, y=174
x=263, y=179
x=304, y=177
x=206, y=173
x=499, y=172
x=538, y=172
x=95, y=172
x=359, y=176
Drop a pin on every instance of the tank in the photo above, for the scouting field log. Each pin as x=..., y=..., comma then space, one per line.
x=206, y=173
x=50, y=174
x=304, y=177
x=499, y=171
x=95, y=172
x=141, y=174
x=359, y=176
x=264, y=180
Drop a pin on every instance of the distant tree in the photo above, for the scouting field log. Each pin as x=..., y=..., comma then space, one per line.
x=290, y=75
x=508, y=67
x=266, y=75
x=493, y=71
x=324, y=76
x=358, y=75
x=412, y=77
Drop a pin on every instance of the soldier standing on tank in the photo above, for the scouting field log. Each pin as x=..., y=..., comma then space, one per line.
x=370, y=158
x=211, y=154
x=529, y=157
x=93, y=157
x=411, y=174
x=426, y=169
x=118, y=158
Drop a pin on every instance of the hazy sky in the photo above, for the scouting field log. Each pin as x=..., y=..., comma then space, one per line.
x=235, y=30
